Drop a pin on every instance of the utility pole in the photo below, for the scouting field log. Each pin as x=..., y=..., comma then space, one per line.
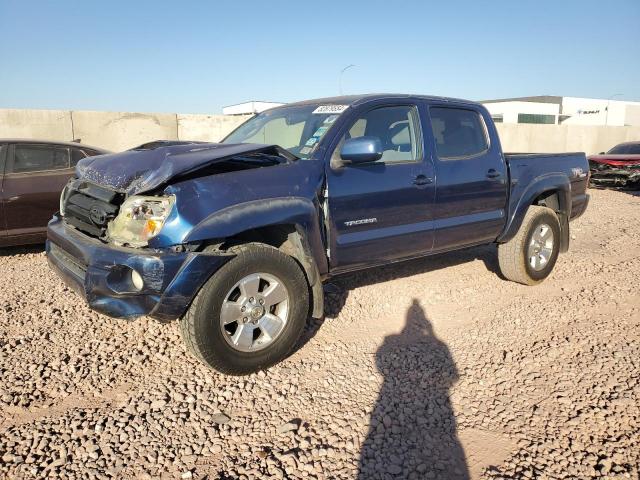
x=340, y=77
x=606, y=118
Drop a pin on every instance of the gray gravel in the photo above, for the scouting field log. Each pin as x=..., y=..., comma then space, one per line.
x=431, y=369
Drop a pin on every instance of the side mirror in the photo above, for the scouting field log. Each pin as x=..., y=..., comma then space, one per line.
x=361, y=150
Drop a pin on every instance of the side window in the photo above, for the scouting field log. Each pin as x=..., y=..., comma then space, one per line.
x=35, y=158
x=458, y=132
x=396, y=127
x=76, y=156
x=3, y=155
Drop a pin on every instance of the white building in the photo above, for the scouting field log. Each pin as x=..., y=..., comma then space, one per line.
x=248, y=108
x=564, y=110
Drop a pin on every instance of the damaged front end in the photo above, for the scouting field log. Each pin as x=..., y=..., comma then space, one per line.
x=118, y=198
x=615, y=175
x=119, y=239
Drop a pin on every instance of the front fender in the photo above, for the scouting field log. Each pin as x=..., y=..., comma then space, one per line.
x=523, y=197
x=243, y=217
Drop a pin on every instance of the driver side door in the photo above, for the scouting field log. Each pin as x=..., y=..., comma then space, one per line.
x=381, y=211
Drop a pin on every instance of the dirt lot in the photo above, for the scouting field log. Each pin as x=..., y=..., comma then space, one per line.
x=431, y=369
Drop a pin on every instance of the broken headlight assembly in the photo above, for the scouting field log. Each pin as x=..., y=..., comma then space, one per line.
x=139, y=220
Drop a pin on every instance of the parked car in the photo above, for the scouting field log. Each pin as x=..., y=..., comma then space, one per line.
x=236, y=238
x=619, y=167
x=32, y=175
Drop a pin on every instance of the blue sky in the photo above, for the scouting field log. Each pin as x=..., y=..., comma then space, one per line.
x=197, y=56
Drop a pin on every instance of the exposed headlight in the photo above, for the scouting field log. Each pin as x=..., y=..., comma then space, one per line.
x=140, y=219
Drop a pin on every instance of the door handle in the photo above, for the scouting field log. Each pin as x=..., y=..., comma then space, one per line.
x=493, y=173
x=422, y=180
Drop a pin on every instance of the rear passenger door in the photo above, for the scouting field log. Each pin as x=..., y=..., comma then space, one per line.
x=35, y=174
x=471, y=176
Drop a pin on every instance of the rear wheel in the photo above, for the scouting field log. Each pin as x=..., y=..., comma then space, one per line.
x=250, y=314
x=530, y=256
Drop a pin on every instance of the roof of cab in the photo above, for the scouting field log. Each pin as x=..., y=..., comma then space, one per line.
x=367, y=97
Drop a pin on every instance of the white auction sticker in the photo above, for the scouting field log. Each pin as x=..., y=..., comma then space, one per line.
x=330, y=109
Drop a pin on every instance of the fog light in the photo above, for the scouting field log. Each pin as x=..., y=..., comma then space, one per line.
x=137, y=280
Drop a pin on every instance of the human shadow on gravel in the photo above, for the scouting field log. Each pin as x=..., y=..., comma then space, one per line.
x=413, y=432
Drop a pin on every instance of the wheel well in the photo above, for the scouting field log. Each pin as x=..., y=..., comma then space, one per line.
x=274, y=235
x=551, y=199
x=290, y=240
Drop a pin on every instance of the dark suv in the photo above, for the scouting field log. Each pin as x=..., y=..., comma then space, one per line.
x=32, y=175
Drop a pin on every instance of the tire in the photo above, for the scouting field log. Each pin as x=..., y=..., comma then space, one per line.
x=514, y=256
x=213, y=343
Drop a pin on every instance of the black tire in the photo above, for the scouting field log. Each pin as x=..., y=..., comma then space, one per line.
x=201, y=328
x=512, y=256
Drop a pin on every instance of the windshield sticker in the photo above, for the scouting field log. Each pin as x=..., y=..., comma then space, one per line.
x=325, y=109
x=330, y=119
x=320, y=132
x=312, y=141
x=305, y=150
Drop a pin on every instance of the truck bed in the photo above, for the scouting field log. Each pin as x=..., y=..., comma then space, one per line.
x=527, y=169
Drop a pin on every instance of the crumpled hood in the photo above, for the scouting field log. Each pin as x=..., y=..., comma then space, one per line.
x=140, y=170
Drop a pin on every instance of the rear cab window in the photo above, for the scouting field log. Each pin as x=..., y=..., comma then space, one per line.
x=458, y=132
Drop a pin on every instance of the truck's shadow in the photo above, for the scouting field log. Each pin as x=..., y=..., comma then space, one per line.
x=413, y=429
x=337, y=292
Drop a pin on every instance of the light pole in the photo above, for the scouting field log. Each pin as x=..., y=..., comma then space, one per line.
x=606, y=118
x=340, y=77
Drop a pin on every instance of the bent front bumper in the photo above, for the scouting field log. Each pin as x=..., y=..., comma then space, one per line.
x=101, y=273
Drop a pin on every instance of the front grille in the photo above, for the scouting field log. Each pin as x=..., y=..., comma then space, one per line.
x=73, y=264
x=89, y=207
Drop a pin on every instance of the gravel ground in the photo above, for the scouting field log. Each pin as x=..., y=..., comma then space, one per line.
x=435, y=368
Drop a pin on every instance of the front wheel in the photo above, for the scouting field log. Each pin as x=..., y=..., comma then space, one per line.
x=529, y=257
x=250, y=314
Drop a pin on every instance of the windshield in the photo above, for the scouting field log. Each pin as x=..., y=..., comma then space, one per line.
x=626, y=149
x=297, y=129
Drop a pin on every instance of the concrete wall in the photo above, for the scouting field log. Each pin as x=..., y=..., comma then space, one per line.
x=119, y=131
x=114, y=131
x=207, y=128
x=42, y=124
x=563, y=138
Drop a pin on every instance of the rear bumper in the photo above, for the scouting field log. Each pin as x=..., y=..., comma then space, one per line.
x=579, y=206
x=101, y=274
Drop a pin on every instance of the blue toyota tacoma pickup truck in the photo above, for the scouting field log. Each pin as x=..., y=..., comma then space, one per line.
x=235, y=238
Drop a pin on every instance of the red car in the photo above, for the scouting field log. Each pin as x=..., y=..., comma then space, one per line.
x=619, y=167
x=32, y=175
